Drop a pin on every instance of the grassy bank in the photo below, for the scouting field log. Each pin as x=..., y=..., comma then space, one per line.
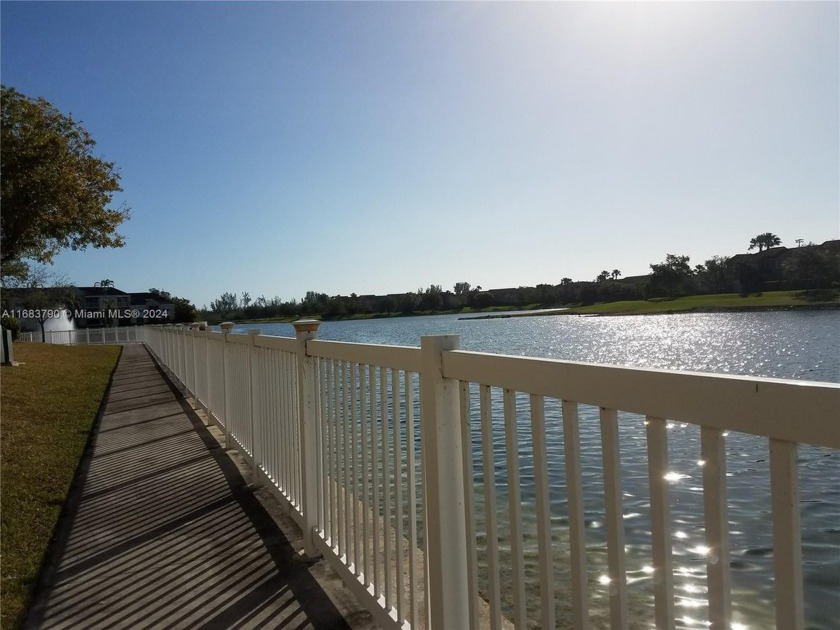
x=48, y=404
x=771, y=300
x=467, y=310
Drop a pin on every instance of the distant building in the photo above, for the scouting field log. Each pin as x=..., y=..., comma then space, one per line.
x=93, y=307
x=153, y=308
x=768, y=263
x=100, y=306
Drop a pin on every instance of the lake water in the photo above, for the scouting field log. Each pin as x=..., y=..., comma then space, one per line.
x=795, y=345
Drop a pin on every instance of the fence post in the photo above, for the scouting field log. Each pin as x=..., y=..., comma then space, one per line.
x=447, y=592
x=193, y=342
x=8, y=347
x=182, y=360
x=185, y=337
x=206, y=360
x=256, y=460
x=308, y=419
x=226, y=328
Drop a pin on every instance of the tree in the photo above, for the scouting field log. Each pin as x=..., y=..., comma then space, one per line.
x=603, y=276
x=227, y=303
x=55, y=192
x=462, y=288
x=715, y=275
x=546, y=294
x=108, y=304
x=48, y=302
x=811, y=268
x=671, y=277
x=526, y=296
x=7, y=322
x=314, y=303
x=747, y=278
x=586, y=293
x=45, y=302
x=165, y=295
x=483, y=299
x=337, y=306
x=765, y=241
x=185, y=311
x=408, y=302
x=432, y=298
x=616, y=274
x=13, y=273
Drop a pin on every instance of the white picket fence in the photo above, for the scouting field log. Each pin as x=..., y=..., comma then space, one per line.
x=83, y=336
x=373, y=449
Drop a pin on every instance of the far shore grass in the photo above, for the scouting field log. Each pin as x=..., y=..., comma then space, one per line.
x=767, y=301
x=467, y=310
x=48, y=405
x=771, y=300
x=722, y=302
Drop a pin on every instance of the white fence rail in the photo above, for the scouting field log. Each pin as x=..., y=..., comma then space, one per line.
x=84, y=336
x=405, y=468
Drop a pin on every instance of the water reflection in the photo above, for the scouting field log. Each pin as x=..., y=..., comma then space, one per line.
x=801, y=345
x=785, y=345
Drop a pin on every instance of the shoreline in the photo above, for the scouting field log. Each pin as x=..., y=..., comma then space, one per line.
x=692, y=310
x=719, y=303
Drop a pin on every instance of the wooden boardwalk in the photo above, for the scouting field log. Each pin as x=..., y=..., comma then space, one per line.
x=162, y=530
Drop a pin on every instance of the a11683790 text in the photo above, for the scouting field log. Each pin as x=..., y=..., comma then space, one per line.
x=111, y=314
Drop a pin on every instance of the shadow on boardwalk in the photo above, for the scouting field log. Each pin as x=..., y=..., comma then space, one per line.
x=162, y=530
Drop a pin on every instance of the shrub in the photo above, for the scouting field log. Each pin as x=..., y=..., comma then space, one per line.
x=11, y=323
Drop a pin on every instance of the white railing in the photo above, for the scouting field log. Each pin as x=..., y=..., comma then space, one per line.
x=84, y=336
x=396, y=462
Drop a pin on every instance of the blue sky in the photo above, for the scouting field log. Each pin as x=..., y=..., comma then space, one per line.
x=380, y=147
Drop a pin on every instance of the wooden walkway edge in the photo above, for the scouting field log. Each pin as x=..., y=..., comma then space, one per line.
x=164, y=531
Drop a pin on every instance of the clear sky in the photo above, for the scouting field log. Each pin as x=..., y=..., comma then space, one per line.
x=380, y=147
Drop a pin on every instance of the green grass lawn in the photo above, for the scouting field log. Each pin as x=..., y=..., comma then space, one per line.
x=47, y=407
x=722, y=301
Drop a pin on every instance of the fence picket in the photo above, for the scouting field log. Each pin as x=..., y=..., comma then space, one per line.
x=358, y=459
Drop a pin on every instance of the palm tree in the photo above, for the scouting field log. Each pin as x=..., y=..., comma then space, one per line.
x=768, y=240
x=105, y=304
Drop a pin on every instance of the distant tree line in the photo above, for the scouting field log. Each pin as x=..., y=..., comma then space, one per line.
x=185, y=311
x=810, y=268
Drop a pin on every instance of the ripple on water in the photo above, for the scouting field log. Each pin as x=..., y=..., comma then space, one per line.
x=802, y=345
